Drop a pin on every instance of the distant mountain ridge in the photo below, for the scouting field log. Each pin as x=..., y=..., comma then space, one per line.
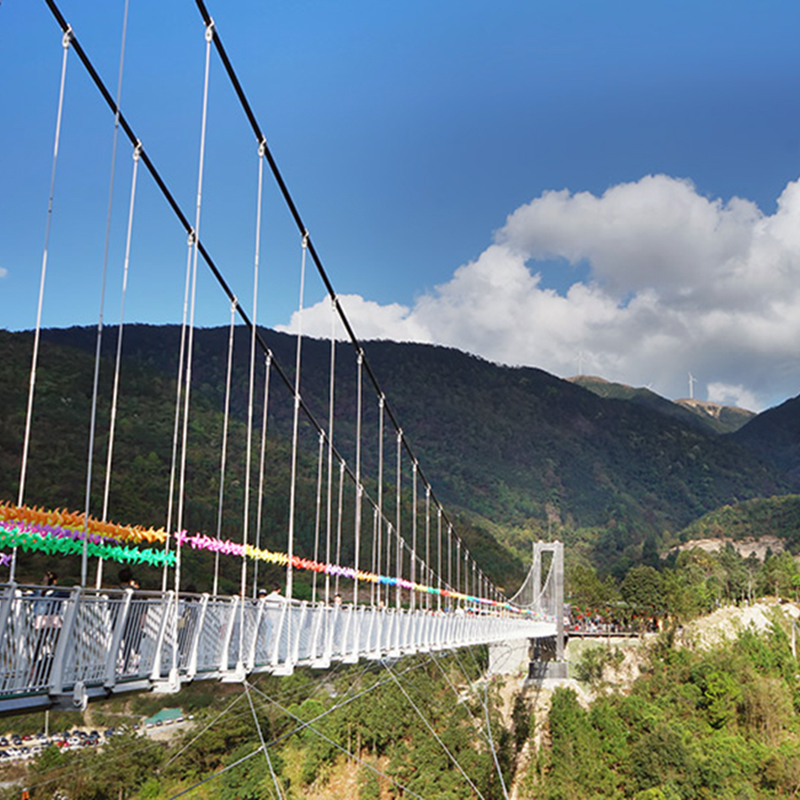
x=714, y=416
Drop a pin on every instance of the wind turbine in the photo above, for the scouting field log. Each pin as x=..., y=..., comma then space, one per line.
x=692, y=382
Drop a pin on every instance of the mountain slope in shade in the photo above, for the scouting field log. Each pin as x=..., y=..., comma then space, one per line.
x=514, y=445
x=774, y=435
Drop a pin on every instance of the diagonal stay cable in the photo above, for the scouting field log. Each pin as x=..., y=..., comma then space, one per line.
x=349, y=754
x=486, y=736
x=293, y=696
x=264, y=747
x=490, y=738
x=294, y=731
x=145, y=743
x=338, y=706
x=475, y=721
x=290, y=695
x=432, y=731
x=207, y=728
x=216, y=774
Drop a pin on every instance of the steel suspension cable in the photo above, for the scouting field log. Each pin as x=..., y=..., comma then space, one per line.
x=429, y=574
x=399, y=561
x=357, y=532
x=189, y=357
x=295, y=422
x=250, y=395
x=376, y=532
x=99, y=340
x=318, y=514
x=261, y=466
x=302, y=228
x=224, y=448
x=432, y=731
x=413, y=577
x=66, y=40
x=178, y=395
x=339, y=514
x=304, y=725
x=195, y=240
x=490, y=737
x=388, y=562
x=117, y=363
x=291, y=695
x=439, y=555
x=352, y=756
x=476, y=724
x=381, y=402
x=263, y=743
x=450, y=556
x=329, y=509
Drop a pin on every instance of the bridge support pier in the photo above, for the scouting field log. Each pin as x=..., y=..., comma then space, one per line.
x=547, y=659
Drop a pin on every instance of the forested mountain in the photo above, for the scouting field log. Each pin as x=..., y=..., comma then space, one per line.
x=775, y=436
x=515, y=450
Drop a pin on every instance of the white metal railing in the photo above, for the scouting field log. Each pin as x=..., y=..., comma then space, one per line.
x=68, y=646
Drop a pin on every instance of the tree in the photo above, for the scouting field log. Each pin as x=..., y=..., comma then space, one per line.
x=643, y=589
x=588, y=591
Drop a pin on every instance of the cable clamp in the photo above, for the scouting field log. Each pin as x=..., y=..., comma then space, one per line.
x=305, y=239
x=382, y=401
x=262, y=148
x=137, y=150
x=67, y=38
x=210, y=31
x=192, y=238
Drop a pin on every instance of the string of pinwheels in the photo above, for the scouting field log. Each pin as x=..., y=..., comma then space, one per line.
x=59, y=532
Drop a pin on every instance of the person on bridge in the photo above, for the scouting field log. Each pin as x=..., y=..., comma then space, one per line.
x=275, y=594
x=126, y=579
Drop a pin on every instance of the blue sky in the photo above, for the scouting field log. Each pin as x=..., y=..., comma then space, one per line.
x=528, y=181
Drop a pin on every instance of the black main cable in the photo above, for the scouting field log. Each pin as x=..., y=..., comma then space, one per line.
x=262, y=140
x=187, y=226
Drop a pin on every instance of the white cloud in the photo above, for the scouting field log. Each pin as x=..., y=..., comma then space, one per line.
x=725, y=394
x=676, y=282
x=370, y=320
x=3, y=272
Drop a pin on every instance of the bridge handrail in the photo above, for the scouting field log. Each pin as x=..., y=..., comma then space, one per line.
x=70, y=644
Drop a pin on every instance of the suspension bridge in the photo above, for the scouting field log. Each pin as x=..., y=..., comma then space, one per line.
x=387, y=572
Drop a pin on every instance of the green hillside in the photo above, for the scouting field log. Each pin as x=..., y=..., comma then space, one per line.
x=769, y=516
x=515, y=452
